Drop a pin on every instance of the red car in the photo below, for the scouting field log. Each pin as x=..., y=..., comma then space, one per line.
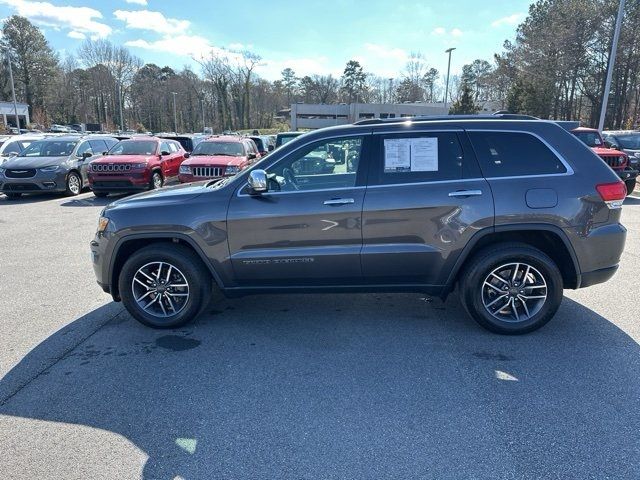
x=617, y=160
x=218, y=157
x=141, y=163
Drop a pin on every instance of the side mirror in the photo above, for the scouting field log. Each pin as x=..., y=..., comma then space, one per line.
x=271, y=148
x=187, y=155
x=105, y=153
x=258, y=181
x=164, y=152
x=251, y=156
x=607, y=144
x=87, y=154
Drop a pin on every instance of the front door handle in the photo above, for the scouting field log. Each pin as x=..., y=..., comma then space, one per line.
x=339, y=201
x=465, y=193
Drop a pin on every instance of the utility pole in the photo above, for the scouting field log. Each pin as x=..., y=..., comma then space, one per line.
x=203, y=124
x=446, y=89
x=175, y=117
x=13, y=91
x=612, y=61
x=120, y=105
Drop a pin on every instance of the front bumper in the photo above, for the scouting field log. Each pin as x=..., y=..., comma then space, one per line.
x=133, y=182
x=39, y=183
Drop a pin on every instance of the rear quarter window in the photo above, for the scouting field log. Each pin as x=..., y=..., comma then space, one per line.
x=514, y=154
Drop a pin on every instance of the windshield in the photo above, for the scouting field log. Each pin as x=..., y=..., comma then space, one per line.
x=632, y=142
x=134, y=147
x=50, y=148
x=590, y=139
x=233, y=149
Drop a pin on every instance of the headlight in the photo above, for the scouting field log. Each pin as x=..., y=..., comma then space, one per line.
x=51, y=168
x=186, y=169
x=231, y=170
x=103, y=222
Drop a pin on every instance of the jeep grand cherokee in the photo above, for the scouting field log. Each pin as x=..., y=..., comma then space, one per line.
x=510, y=210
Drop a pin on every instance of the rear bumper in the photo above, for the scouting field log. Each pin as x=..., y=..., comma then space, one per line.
x=597, y=276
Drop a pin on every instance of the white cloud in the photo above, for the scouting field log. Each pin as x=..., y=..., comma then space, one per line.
x=383, y=52
x=439, y=31
x=456, y=32
x=76, y=35
x=137, y=2
x=184, y=45
x=78, y=19
x=148, y=20
x=508, y=20
x=239, y=47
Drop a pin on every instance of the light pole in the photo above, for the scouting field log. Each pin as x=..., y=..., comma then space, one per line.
x=13, y=91
x=120, y=106
x=446, y=88
x=612, y=61
x=175, y=117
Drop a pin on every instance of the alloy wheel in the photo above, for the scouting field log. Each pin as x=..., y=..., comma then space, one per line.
x=74, y=184
x=514, y=292
x=160, y=289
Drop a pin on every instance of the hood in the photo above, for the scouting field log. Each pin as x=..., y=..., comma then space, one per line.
x=214, y=160
x=608, y=152
x=176, y=193
x=33, y=162
x=124, y=158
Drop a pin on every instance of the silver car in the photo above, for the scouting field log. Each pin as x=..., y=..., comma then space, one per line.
x=57, y=164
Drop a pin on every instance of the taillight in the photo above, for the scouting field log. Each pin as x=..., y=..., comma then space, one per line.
x=613, y=194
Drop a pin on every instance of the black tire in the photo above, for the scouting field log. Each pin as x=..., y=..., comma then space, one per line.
x=73, y=185
x=100, y=194
x=156, y=181
x=631, y=185
x=472, y=288
x=197, y=277
x=13, y=196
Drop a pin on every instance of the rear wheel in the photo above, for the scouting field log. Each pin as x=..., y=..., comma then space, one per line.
x=74, y=184
x=511, y=288
x=156, y=181
x=631, y=185
x=164, y=286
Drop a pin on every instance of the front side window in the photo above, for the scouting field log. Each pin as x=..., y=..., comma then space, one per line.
x=509, y=154
x=13, y=147
x=315, y=167
x=49, y=148
x=83, y=148
x=173, y=148
x=420, y=157
x=134, y=147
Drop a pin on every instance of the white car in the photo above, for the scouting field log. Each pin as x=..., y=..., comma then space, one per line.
x=12, y=145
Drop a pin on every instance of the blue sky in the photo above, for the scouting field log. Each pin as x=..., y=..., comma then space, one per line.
x=309, y=36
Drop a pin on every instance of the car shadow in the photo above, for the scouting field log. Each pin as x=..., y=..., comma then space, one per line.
x=92, y=201
x=348, y=386
x=632, y=201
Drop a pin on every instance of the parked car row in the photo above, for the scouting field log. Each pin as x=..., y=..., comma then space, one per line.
x=111, y=164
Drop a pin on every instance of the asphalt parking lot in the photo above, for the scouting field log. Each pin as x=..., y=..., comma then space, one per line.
x=310, y=386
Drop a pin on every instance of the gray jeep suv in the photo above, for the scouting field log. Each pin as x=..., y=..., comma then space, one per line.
x=509, y=210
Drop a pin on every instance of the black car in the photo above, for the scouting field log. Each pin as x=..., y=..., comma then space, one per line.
x=511, y=211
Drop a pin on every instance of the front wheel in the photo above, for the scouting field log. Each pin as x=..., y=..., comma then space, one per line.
x=156, y=181
x=74, y=184
x=164, y=285
x=511, y=288
x=631, y=185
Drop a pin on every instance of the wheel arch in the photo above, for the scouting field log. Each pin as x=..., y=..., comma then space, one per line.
x=548, y=238
x=130, y=244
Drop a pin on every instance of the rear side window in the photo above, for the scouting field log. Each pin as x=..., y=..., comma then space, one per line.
x=420, y=157
x=514, y=154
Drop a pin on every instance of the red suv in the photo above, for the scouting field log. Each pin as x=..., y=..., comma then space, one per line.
x=617, y=160
x=142, y=163
x=218, y=157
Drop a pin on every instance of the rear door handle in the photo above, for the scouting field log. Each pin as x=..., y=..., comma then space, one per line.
x=465, y=193
x=339, y=201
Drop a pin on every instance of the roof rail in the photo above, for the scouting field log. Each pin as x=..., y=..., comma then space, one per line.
x=433, y=118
